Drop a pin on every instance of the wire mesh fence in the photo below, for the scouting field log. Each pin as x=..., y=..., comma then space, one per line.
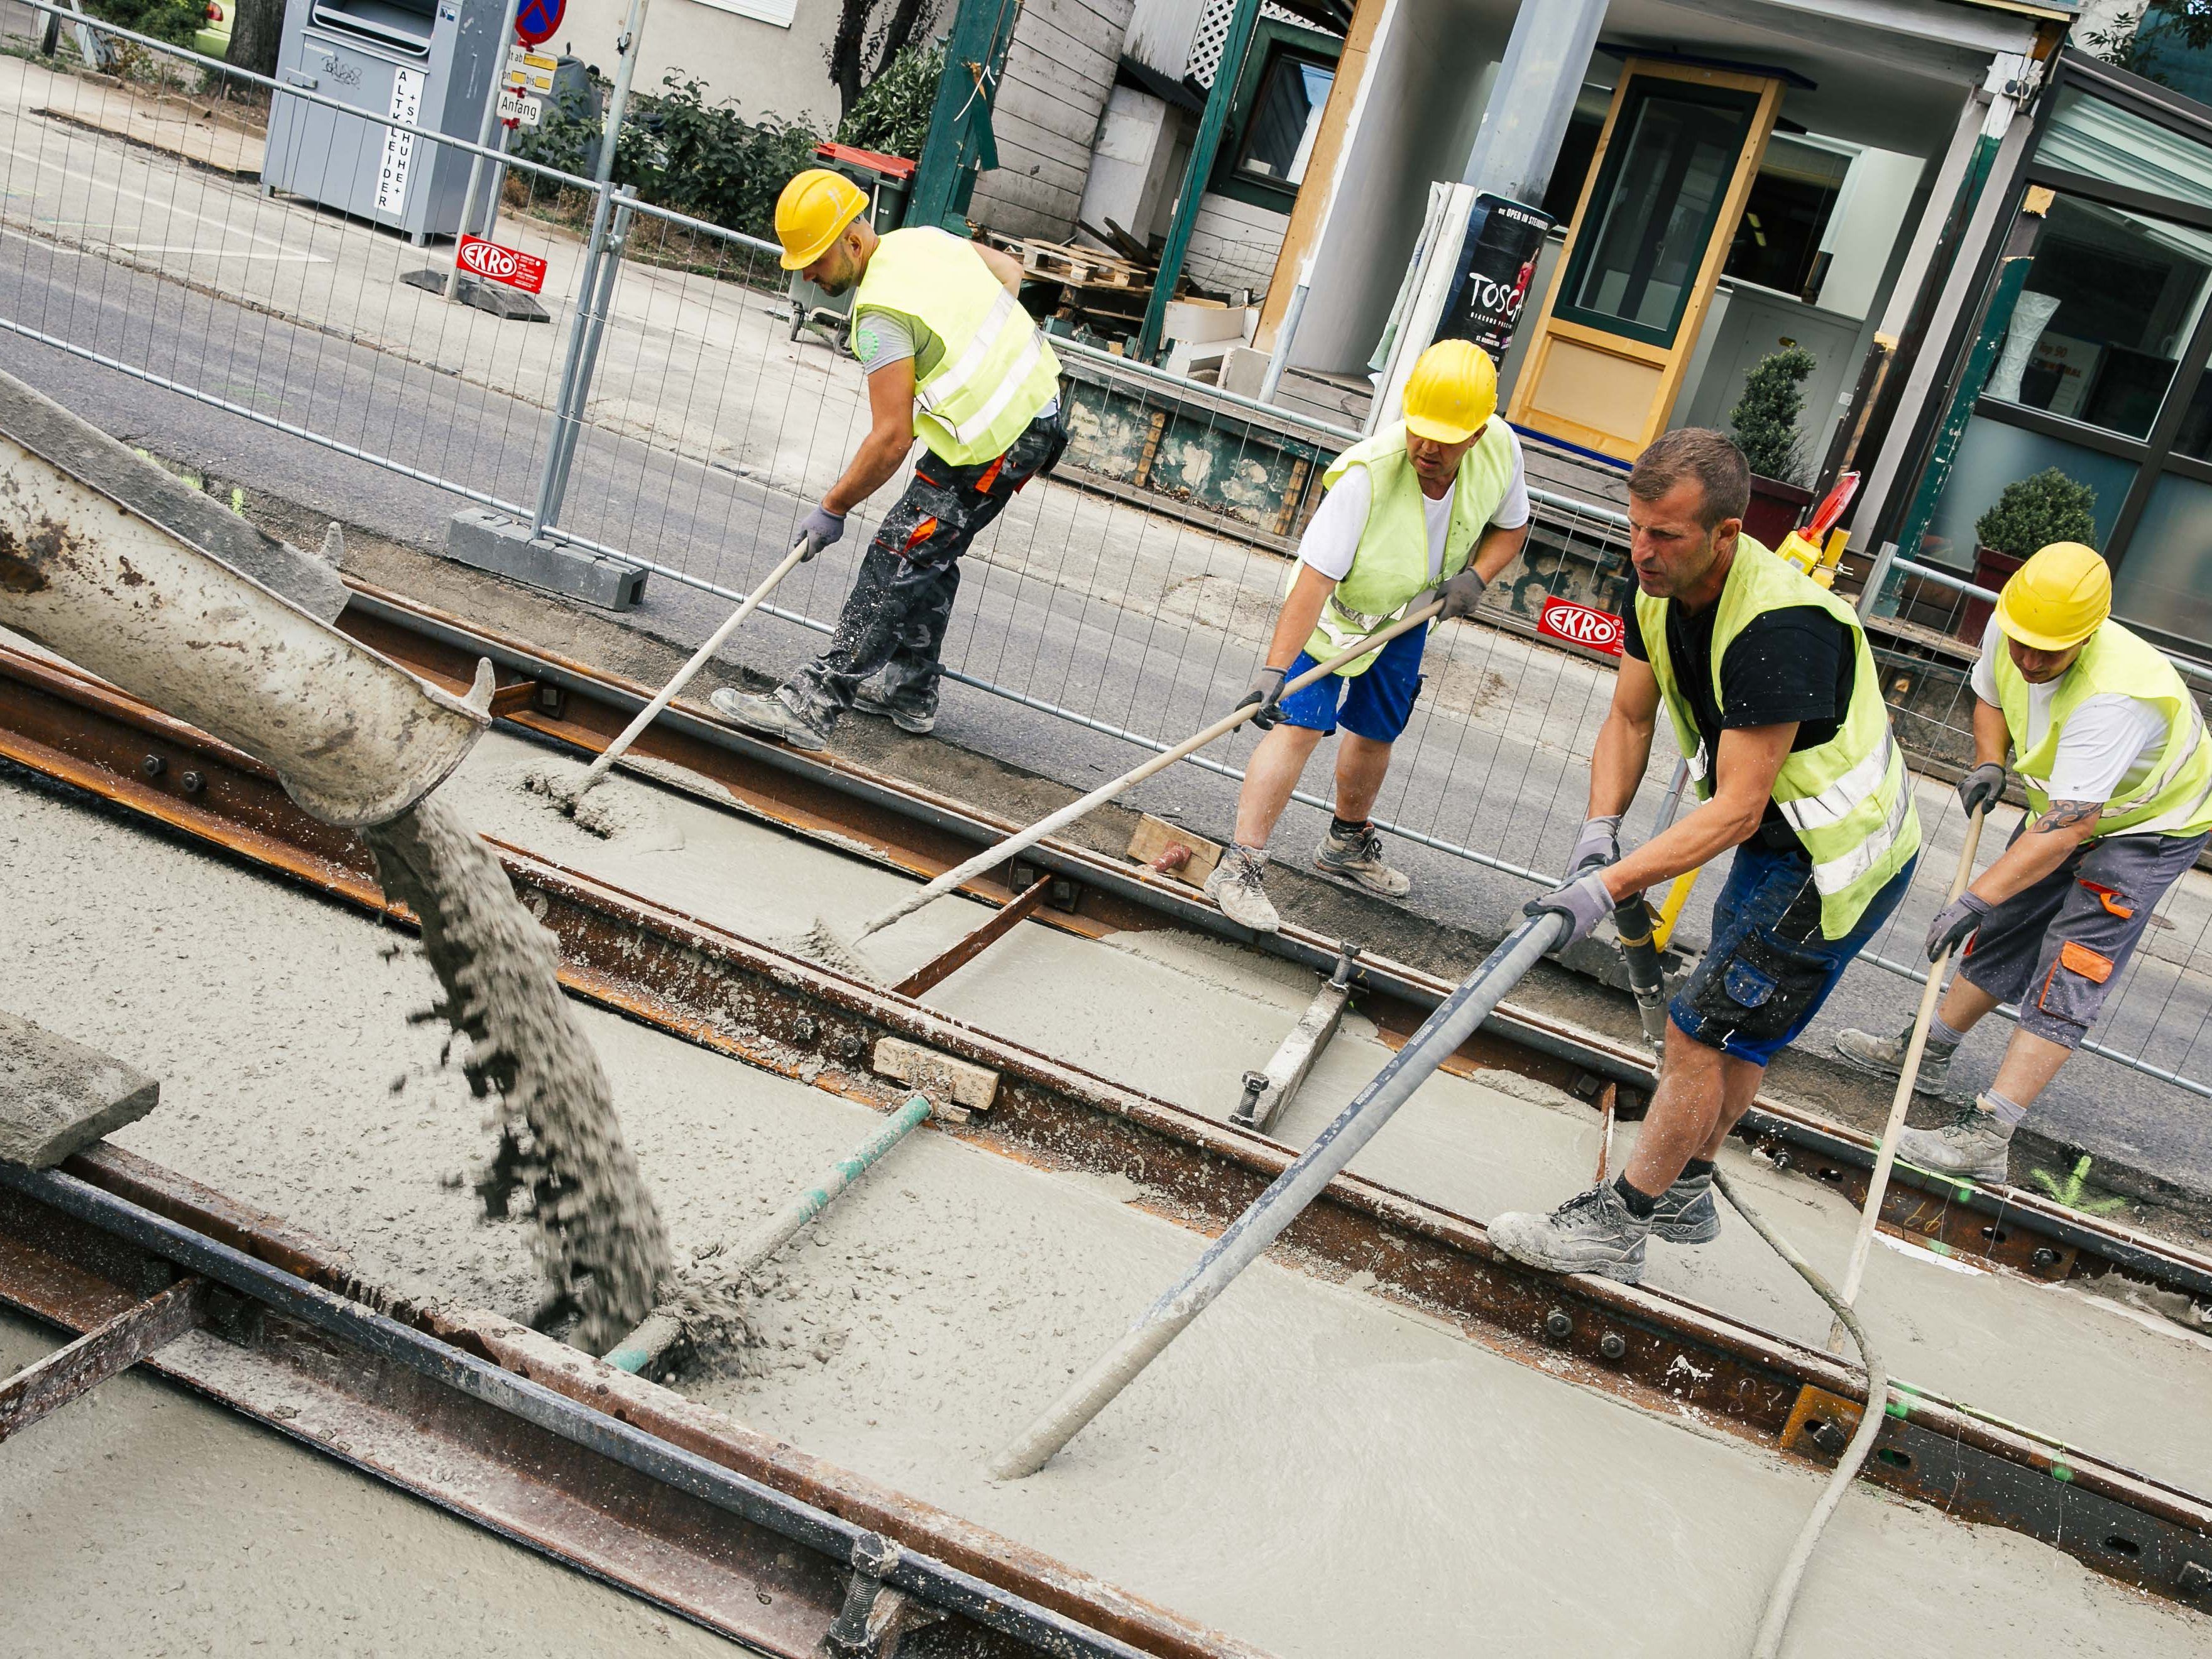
x=178, y=221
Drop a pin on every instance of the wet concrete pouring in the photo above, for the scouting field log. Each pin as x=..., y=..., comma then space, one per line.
x=1314, y=1470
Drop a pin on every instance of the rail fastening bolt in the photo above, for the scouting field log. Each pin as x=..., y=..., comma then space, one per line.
x=1613, y=1345
x=152, y=766
x=1559, y=1325
x=848, y=1047
x=192, y=782
x=805, y=1029
x=2044, y=1257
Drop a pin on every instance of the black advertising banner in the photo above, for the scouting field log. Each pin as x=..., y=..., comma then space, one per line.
x=1497, y=264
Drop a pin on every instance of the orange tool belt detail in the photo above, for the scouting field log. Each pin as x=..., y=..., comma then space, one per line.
x=922, y=533
x=2081, y=959
x=990, y=476
x=2112, y=899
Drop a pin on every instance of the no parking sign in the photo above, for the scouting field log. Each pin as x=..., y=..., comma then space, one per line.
x=535, y=20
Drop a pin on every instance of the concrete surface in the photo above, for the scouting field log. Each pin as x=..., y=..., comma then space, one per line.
x=57, y=1097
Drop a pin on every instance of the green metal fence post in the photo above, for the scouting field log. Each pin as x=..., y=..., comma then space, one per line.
x=959, y=142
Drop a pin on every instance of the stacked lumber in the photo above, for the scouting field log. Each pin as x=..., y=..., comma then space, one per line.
x=1104, y=293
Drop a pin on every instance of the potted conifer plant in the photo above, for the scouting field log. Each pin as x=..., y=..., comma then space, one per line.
x=1764, y=423
x=2031, y=513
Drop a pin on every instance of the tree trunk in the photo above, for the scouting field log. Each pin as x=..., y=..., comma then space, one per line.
x=845, y=49
x=257, y=30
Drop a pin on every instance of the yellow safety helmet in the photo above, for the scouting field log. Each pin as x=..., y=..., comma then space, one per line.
x=1452, y=392
x=2057, y=598
x=812, y=212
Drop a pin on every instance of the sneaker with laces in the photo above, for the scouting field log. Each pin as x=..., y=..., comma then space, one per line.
x=1592, y=1232
x=1234, y=886
x=771, y=715
x=1976, y=1143
x=1884, y=1056
x=1686, y=1213
x=905, y=714
x=1359, y=857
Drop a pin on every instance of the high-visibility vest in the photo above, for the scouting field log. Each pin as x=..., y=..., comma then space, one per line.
x=1390, y=568
x=2176, y=798
x=997, y=372
x=1849, y=798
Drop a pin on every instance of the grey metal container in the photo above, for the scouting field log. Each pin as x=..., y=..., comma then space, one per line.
x=428, y=62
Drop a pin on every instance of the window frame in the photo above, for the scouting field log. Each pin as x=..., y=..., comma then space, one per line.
x=1272, y=39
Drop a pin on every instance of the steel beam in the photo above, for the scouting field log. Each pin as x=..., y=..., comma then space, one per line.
x=81, y=1366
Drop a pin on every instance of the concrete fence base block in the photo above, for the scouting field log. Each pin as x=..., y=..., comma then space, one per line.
x=491, y=541
x=57, y=1097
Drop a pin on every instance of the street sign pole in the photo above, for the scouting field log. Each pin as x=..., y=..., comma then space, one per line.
x=486, y=128
x=610, y=129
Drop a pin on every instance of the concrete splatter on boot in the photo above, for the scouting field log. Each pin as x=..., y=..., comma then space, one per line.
x=1686, y=1213
x=1358, y=857
x=1884, y=1056
x=909, y=714
x=1592, y=1232
x=772, y=714
x=1234, y=886
x=1976, y=1143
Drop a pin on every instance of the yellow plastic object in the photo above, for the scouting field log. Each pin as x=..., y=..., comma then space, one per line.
x=1671, y=911
x=1799, y=552
x=1452, y=392
x=2057, y=598
x=812, y=212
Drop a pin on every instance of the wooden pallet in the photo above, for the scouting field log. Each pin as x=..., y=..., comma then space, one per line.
x=1063, y=262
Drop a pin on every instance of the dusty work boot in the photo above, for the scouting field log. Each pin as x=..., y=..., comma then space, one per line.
x=906, y=714
x=1592, y=1232
x=1885, y=1057
x=1357, y=856
x=1234, y=886
x=773, y=715
x=1686, y=1213
x=1976, y=1144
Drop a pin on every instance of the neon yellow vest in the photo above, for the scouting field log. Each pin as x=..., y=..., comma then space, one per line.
x=1390, y=568
x=997, y=371
x=2176, y=798
x=1848, y=799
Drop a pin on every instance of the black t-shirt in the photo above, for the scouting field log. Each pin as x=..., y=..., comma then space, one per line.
x=1793, y=665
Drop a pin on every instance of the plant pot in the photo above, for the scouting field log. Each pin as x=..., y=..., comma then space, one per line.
x=1991, y=569
x=1775, y=509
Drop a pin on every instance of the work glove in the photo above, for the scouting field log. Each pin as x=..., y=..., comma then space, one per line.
x=1597, y=846
x=1982, y=787
x=819, y=529
x=1264, y=690
x=1955, y=923
x=1585, y=901
x=1462, y=595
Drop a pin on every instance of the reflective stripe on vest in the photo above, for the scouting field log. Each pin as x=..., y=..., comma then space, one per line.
x=1849, y=800
x=1390, y=567
x=997, y=371
x=2176, y=798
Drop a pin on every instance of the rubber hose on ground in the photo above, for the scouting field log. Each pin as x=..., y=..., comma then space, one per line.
x=1784, y=1595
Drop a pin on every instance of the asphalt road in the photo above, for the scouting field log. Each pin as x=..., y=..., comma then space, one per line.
x=1515, y=787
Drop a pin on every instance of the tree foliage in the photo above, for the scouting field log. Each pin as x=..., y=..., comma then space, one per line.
x=892, y=116
x=869, y=37
x=2034, y=512
x=2146, y=39
x=176, y=21
x=1764, y=422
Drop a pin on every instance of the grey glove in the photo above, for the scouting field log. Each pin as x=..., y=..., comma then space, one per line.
x=1462, y=595
x=1264, y=690
x=1585, y=901
x=1982, y=787
x=1955, y=923
x=819, y=529
x=1597, y=846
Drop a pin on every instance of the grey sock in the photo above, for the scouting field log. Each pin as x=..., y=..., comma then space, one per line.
x=2009, y=1113
x=1941, y=1036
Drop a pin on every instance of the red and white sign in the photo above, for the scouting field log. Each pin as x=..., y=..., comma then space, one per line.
x=1578, y=625
x=501, y=264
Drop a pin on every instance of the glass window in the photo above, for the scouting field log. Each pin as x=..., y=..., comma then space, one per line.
x=1279, y=135
x=1672, y=154
x=1990, y=456
x=2110, y=302
x=2087, y=135
x=2165, y=581
x=1777, y=245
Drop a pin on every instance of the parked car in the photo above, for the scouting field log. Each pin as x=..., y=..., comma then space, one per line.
x=213, y=40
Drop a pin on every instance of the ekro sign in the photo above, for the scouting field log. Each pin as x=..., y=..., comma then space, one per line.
x=501, y=264
x=1579, y=624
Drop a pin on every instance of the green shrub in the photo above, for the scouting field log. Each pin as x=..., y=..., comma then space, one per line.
x=2033, y=512
x=176, y=21
x=1764, y=421
x=892, y=116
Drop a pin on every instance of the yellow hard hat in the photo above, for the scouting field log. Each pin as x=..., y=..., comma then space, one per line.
x=812, y=212
x=2059, y=598
x=1453, y=391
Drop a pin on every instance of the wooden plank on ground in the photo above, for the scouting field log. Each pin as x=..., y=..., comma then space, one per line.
x=1156, y=836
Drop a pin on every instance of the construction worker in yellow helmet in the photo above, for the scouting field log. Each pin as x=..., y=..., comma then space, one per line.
x=952, y=359
x=1434, y=503
x=2111, y=752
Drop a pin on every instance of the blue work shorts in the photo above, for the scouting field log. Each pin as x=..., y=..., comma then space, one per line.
x=1375, y=705
x=1768, y=968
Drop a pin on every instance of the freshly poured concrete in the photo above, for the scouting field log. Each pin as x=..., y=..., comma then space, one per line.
x=1184, y=1017
x=141, y=1520
x=1316, y=1470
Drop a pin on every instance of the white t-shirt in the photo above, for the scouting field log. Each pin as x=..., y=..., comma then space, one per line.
x=1333, y=534
x=2111, y=744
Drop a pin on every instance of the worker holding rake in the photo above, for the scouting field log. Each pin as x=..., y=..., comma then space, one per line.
x=952, y=359
x=1770, y=688
x=1434, y=506
x=2119, y=772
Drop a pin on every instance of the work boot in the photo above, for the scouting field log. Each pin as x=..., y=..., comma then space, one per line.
x=772, y=715
x=1686, y=1213
x=1885, y=1057
x=1234, y=886
x=1976, y=1143
x=1592, y=1232
x=906, y=714
x=1359, y=857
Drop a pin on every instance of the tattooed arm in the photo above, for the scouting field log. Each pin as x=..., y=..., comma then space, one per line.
x=2042, y=848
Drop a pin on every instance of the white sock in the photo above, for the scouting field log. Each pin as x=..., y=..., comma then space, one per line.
x=2007, y=1113
x=1941, y=1036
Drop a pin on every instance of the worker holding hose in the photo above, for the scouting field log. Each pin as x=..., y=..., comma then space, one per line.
x=2113, y=752
x=1770, y=688
x=1433, y=505
x=952, y=359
